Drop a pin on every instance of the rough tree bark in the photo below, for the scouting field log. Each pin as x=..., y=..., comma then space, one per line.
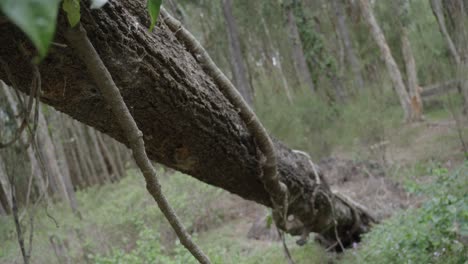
x=239, y=73
x=392, y=67
x=299, y=58
x=186, y=121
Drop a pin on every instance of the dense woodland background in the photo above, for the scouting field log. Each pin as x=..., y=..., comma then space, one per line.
x=372, y=86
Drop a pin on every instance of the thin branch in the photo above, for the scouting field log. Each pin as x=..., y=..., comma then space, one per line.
x=277, y=189
x=19, y=231
x=286, y=251
x=79, y=41
x=26, y=112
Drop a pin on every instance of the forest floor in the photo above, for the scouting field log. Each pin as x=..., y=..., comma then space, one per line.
x=121, y=224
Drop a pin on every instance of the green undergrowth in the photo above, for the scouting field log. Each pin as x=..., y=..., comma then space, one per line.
x=122, y=224
x=118, y=217
x=436, y=232
x=313, y=124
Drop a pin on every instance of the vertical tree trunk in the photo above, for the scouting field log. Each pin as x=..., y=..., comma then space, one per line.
x=237, y=61
x=108, y=157
x=456, y=39
x=276, y=55
x=58, y=163
x=438, y=13
x=35, y=162
x=75, y=168
x=412, y=77
x=2, y=210
x=392, y=68
x=343, y=31
x=97, y=150
x=118, y=157
x=5, y=189
x=70, y=140
x=78, y=148
x=84, y=143
x=39, y=178
x=299, y=58
x=47, y=151
x=461, y=41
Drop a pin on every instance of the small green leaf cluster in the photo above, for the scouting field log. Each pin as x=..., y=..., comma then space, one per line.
x=434, y=233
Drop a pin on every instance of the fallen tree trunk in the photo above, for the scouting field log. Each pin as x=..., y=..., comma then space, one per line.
x=187, y=123
x=439, y=88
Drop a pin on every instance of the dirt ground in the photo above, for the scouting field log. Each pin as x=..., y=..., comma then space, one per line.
x=366, y=183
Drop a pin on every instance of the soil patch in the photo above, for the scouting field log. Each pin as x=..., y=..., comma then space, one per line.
x=366, y=183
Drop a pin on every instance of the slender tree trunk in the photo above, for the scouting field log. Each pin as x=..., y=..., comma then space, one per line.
x=299, y=58
x=55, y=163
x=343, y=31
x=456, y=39
x=461, y=33
x=108, y=157
x=118, y=158
x=277, y=56
x=78, y=168
x=439, y=14
x=412, y=77
x=392, y=68
x=5, y=189
x=58, y=163
x=462, y=72
x=84, y=143
x=70, y=140
x=2, y=210
x=237, y=61
x=97, y=150
x=78, y=147
x=39, y=178
x=186, y=121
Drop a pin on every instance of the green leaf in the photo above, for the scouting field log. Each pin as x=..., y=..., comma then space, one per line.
x=269, y=221
x=72, y=8
x=153, y=8
x=36, y=18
